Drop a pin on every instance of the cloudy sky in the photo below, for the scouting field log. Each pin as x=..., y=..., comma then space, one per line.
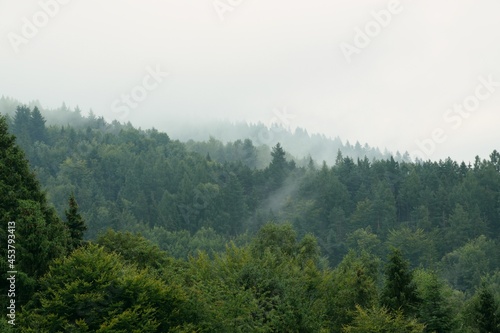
x=421, y=76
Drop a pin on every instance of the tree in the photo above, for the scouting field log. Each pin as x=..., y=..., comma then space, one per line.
x=279, y=239
x=37, y=126
x=134, y=249
x=233, y=202
x=22, y=126
x=465, y=266
x=415, y=244
x=249, y=154
x=383, y=208
x=75, y=223
x=362, y=216
x=463, y=226
x=363, y=240
x=352, y=283
x=485, y=311
x=95, y=291
x=400, y=291
x=278, y=166
x=40, y=234
x=380, y=320
x=434, y=310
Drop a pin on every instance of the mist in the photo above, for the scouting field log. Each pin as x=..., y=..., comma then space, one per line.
x=415, y=82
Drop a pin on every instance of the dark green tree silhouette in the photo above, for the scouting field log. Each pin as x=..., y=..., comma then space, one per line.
x=21, y=126
x=434, y=310
x=400, y=292
x=40, y=235
x=485, y=311
x=37, y=128
x=278, y=167
x=75, y=223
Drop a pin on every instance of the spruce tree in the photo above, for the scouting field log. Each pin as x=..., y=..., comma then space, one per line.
x=400, y=292
x=40, y=235
x=21, y=126
x=278, y=166
x=37, y=126
x=75, y=223
x=485, y=312
x=435, y=310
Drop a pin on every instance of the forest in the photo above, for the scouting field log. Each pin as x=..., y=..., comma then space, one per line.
x=120, y=229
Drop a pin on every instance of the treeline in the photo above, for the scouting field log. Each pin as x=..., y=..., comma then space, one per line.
x=123, y=283
x=299, y=142
x=444, y=217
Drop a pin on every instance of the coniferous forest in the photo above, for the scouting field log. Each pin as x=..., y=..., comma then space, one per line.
x=119, y=229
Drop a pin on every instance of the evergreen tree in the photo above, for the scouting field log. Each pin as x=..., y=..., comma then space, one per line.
x=249, y=154
x=37, y=128
x=75, y=223
x=400, y=292
x=22, y=126
x=434, y=311
x=485, y=312
x=40, y=234
x=278, y=166
x=353, y=283
x=383, y=208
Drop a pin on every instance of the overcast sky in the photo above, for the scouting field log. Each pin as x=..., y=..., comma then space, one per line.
x=417, y=72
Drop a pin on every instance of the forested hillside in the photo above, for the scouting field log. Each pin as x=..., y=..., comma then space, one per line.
x=232, y=242
x=209, y=137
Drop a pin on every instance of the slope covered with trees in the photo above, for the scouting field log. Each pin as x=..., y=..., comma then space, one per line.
x=211, y=137
x=361, y=245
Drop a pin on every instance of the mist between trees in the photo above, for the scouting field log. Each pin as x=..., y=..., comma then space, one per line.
x=137, y=231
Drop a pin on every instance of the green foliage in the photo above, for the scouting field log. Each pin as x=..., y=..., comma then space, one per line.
x=465, y=266
x=134, y=249
x=379, y=319
x=364, y=240
x=207, y=203
x=75, y=223
x=399, y=292
x=482, y=311
x=40, y=236
x=37, y=128
x=5, y=327
x=271, y=285
x=95, y=291
x=274, y=238
x=463, y=227
x=415, y=244
x=353, y=282
x=278, y=169
x=435, y=309
x=486, y=312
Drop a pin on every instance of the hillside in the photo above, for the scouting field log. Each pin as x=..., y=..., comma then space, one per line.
x=198, y=137
x=412, y=245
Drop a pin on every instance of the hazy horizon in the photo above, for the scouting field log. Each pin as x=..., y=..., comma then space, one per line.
x=421, y=77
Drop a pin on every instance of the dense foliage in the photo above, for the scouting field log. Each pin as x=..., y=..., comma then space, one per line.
x=359, y=246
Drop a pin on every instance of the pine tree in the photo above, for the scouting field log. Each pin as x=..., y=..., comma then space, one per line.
x=75, y=223
x=434, y=311
x=278, y=166
x=249, y=154
x=21, y=126
x=485, y=314
x=37, y=126
x=39, y=234
x=400, y=292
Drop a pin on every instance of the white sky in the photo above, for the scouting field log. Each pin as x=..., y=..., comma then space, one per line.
x=268, y=55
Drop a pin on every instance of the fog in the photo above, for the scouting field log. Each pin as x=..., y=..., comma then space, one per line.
x=416, y=76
